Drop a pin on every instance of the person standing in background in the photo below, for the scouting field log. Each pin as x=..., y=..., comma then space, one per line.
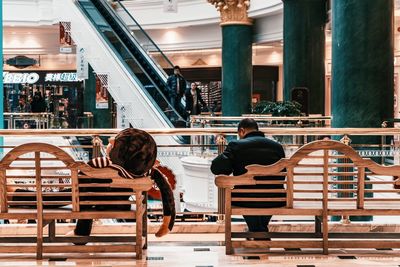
x=194, y=101
x=176, y=89
x=38, y=103
x=23, y=107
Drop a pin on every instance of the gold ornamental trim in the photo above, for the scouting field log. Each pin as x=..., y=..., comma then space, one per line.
x=233, y=12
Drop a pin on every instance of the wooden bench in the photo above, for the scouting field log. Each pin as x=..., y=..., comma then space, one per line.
x=48, y=169
x=323, y=179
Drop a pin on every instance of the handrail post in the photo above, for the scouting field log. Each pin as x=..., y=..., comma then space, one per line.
x=221, y=143
x=97, y=144
x=383, y=141
x=202, y=138
x=347, y=141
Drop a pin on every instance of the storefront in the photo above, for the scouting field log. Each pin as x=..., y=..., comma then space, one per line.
x=208, y=80
x=56, y=92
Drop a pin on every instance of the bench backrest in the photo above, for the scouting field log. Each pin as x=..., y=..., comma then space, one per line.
x=51, y=173
x=319, y=173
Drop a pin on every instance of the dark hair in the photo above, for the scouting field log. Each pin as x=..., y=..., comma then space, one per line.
x=135, y=150
x=248, y=124
x=177, y=68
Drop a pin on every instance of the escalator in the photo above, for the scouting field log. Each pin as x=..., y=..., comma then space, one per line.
x=148, y=74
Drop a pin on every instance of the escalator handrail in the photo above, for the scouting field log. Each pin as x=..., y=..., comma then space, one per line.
x=127, y=31
x=139, y=83
x=145, y=33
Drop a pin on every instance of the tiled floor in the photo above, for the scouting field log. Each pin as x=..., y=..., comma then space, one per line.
x=163, y=255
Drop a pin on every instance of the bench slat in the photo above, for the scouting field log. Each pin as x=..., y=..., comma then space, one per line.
x=364, y=244
x=258, y=199
x=277, y=244
x=275, y=211
x=89, y=248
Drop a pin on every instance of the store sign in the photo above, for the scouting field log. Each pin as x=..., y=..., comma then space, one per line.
x=82, y=64
x=171, y=6
x=61, y=77
x=66, y=50
x=33, y=77
x=14, y=77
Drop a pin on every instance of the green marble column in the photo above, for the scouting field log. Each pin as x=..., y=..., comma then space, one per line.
x=101, y=117
x=236, y=69
x=362, y=68
x=362, y=63
x=304, y=50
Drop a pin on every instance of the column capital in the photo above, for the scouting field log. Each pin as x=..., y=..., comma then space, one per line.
x=233, y=12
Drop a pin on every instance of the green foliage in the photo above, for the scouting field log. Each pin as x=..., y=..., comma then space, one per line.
x=278, y=109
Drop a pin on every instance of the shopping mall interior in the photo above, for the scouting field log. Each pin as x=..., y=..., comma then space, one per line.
x=200, y=133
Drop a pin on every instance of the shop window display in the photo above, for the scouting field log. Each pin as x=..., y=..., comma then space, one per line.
x=27, y=104
x=211, y=94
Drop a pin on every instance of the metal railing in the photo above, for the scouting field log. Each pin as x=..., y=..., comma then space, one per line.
x=43, y=120
x=203, y=121
x=15, y=120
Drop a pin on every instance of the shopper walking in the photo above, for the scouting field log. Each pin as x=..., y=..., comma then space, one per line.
x=194, y=102
x=176, y=89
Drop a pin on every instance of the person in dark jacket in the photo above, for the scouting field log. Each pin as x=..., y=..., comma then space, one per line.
x=38, y=103
x=194, y=101
x=176, y=89
x=252, y=148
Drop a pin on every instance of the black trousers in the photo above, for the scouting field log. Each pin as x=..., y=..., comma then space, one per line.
x=257, y=223
x=176, y=104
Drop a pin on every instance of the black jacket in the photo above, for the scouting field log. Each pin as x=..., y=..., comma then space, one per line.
x=254, y=148
x=172, y=83
x=189, y=102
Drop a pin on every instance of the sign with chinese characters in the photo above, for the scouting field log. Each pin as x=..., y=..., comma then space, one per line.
x=82, y=68
x=122, y=120
x=171, y=6
x=61, y=77
x=34, y=77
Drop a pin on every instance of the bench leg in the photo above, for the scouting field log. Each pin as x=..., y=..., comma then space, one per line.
x=39, y=236
x=325, y=234
x=139, y=225
x=145, y=220
x=228, y=236
x=228, y=223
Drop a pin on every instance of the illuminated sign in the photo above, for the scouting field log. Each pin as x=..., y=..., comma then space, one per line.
x=61, y=77
x=30, y=78
x=33, y=77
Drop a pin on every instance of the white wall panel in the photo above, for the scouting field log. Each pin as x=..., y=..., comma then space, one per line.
x=190, y=12
x=28, y=12
x=195, y=26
